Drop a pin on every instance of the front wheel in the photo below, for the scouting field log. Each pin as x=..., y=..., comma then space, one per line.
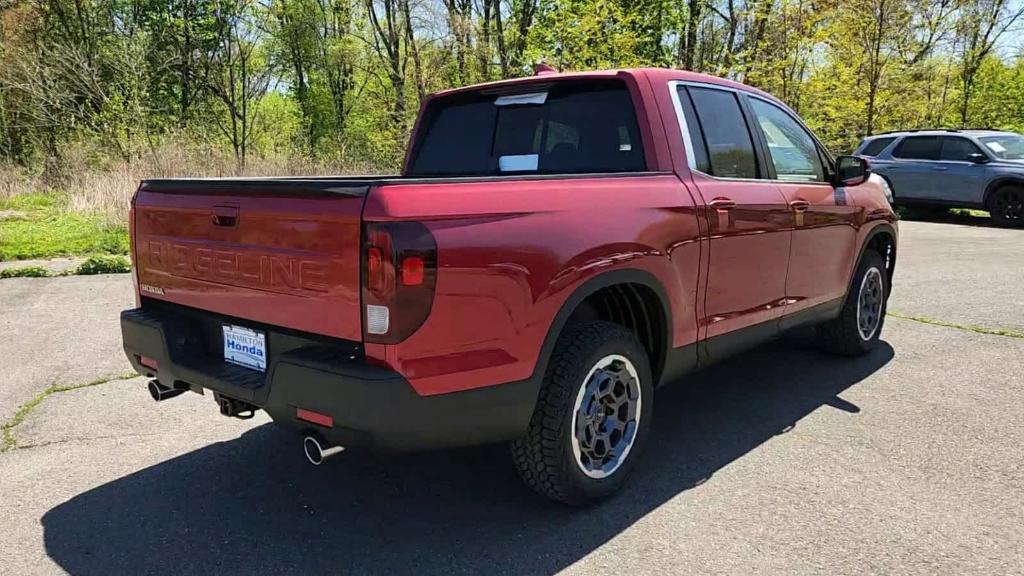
x=855, y=331
x=1007, y=206
x=592, y=416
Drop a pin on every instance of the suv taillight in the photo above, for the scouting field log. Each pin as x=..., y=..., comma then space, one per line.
x=399, y=273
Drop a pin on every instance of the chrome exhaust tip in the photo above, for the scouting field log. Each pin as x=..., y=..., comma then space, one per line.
x=159, y=392
x=317, y=450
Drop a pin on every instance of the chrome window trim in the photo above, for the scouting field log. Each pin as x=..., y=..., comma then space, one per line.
x=691, y=160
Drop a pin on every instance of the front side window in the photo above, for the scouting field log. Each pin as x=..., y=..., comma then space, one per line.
x=569, y=127
x=957, y=149
x=730, y=149
x=918, y=148
x=792, y=150
x=1005, y=146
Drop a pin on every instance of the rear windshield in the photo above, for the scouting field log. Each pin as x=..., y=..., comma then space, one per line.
x=563, y=128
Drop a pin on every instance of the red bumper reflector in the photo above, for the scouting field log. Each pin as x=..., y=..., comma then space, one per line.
x=149, y=363
x=314, y=417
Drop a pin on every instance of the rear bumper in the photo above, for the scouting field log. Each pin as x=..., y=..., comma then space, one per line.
x=369, y=405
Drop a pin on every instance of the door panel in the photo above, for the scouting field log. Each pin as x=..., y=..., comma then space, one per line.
x=824, y=241
x=748, y=253
x=824, y=227
x=958, y=180
x=912, y=170
x=747, y=222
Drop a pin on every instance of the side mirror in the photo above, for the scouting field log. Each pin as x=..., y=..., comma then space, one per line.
x=851, y=170
x=978, y=158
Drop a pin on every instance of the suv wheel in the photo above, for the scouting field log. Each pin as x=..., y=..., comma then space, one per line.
x=592, y=416
x=1007, y=206
x=855, y=331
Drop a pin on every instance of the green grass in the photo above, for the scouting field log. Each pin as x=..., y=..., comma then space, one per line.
x=7, y=439
x=25, y=272
x=104, y=264
x=969, y=327
x=44, y=228
x=969, y=212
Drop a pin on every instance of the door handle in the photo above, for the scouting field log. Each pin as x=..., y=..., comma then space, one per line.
x=722, y=203
x=939, y=168
x=225, y=216
x=799, y=205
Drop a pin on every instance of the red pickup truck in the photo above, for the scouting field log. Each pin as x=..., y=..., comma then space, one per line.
x=556, y=248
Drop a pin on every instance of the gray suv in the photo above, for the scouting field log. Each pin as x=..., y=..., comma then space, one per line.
x=981, y=169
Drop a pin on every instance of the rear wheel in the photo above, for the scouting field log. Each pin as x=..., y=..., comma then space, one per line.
x=592, y=416
x=1007, y=206
x=855, y=331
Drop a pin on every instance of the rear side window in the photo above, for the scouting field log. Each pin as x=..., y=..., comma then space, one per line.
x=958, y=149
x=730, y=148
x=875, y=146
x=565, y=128
x=918, y=148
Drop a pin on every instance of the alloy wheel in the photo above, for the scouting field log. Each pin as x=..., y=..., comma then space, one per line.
x=606, y=416
x=869, y=303
x=1009, y=205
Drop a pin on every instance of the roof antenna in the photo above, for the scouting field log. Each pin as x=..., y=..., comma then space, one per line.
x=542, y=69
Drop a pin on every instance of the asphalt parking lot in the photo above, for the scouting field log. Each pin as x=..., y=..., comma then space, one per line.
x=782, y=460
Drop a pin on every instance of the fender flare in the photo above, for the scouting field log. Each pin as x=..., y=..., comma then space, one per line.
x=589, y=287
x=883, y=228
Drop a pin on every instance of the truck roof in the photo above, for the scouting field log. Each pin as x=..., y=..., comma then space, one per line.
x=654, y=74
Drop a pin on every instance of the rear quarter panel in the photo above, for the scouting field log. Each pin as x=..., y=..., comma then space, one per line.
x=511, y=252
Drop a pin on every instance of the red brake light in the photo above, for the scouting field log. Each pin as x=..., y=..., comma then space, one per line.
x=380, y=269
x=375, y=269
x=412, y=270
x=399, y=273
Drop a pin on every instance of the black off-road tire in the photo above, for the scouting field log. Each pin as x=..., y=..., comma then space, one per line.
x=1006, y=207
x=842, y=335
x=544, y=456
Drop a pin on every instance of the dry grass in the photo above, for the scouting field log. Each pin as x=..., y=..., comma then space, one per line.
x=105, y=189
x=14, y=181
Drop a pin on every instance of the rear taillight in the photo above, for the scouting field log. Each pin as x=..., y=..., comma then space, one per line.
x=399, y=273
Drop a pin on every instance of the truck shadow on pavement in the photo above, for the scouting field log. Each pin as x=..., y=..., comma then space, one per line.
x=254, y=505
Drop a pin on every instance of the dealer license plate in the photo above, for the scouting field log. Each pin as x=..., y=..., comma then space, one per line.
x=245, y=347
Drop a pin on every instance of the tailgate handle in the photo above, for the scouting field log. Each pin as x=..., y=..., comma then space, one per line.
x=226, y=216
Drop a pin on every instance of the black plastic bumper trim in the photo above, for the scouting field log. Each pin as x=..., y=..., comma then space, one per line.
x=370, y=405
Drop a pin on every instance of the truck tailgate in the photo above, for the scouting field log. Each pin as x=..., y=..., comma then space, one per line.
x=281, y=252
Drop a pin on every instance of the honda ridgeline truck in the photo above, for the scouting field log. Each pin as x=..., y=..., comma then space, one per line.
x=556, y=248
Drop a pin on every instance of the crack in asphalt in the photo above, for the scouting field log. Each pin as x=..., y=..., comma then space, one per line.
x=85, y=439
x=1007, y=332
x=9, y=442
